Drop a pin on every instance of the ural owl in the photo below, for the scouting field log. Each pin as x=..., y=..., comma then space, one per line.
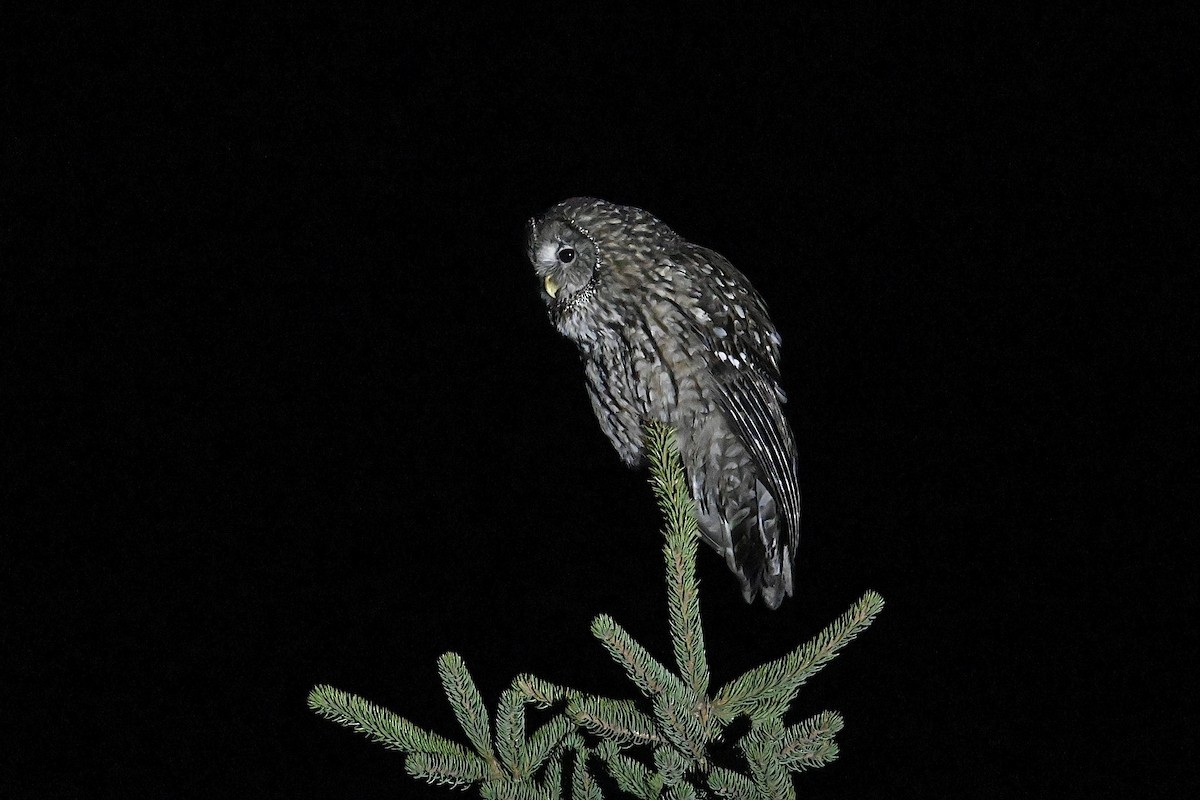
x=671, y=331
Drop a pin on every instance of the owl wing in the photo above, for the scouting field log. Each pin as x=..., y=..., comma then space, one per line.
x=745, y=369
x=751, y=405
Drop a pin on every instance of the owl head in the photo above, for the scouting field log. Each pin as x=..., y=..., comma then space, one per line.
x=564, y=256
x=574, y=244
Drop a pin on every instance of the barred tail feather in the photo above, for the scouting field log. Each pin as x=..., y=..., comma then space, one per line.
x=739, y=515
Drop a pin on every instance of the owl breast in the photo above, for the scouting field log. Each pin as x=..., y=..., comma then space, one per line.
x=640, y=367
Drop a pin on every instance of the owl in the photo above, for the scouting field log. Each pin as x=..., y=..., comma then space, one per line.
x=671, y=331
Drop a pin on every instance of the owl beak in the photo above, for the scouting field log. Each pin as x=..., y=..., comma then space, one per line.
x=551, y=286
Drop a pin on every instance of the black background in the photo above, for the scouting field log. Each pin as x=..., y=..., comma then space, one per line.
x=284, y=407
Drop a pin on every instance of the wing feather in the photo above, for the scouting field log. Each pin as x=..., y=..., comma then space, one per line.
x=745, y=366
x=753, y=412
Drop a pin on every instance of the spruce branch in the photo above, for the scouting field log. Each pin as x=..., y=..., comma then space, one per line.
x=682, y=791
x=510, y=730
x=447, y=770
x=541, y=693
x=682, y=532
x=548, y=738
x=552, y=783
x=377, y=723
x=583, y=785
x=467, y=703
x=618, y=721
x=684, y=607
x=772, y=687
x=668, y=478
x=682, y=727
x=671, y=764
x=810, y=744
x=641, y=667
x=728, y=783
x=632, y=777
x=684, y=721
x=761, y=747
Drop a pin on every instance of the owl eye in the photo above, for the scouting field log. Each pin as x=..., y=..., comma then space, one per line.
x=566, y=255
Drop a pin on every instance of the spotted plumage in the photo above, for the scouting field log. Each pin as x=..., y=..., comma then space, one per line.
x=671, y=331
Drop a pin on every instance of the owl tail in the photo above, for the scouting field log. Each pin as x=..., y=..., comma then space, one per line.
x=750, y=534
x=760, y=555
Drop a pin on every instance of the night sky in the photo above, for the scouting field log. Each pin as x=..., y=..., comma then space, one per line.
x=285, y=407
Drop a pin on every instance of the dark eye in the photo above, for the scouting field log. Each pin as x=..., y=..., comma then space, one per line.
x=566, y=255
